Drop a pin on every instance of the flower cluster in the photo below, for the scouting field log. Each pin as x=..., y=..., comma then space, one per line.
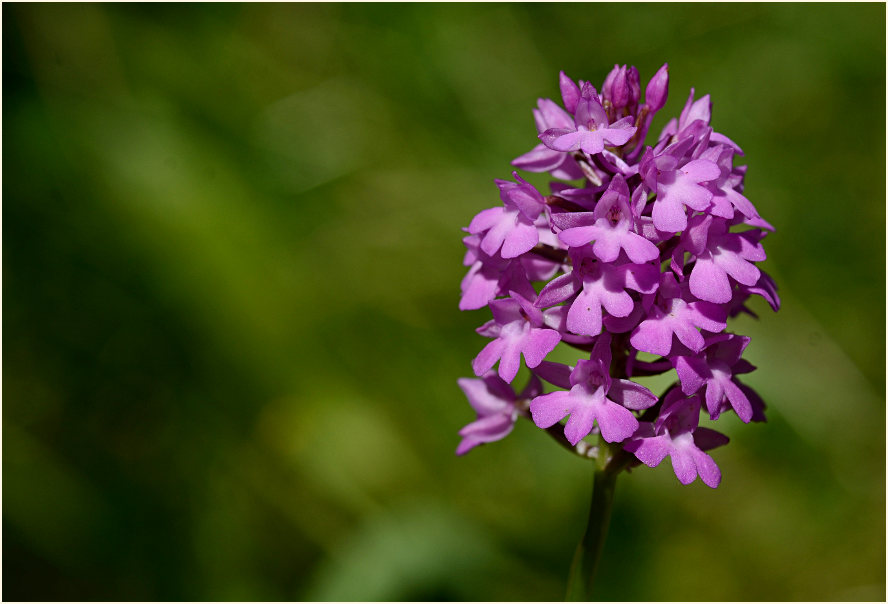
x=637, y=249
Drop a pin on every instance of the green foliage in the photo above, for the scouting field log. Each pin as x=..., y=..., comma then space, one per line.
x=231, y=264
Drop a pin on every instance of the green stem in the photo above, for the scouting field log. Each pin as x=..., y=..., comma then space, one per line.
x=585, y=562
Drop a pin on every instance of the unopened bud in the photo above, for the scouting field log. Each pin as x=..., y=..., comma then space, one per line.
x=570, y=92
x=657, y=89
x=633, y=83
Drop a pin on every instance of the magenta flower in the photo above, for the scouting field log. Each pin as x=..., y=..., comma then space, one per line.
x=672, y=315
x=510, y=227
x=639, y=248
x=496, y=405
x=518, y=328
x=718, y=255
x=543, y=159
x=675, y=433
x=594, y=397
x=492, y=276
x=714, y=369
x=591, y=130
x=596, y=286
x=725, y=197
x=765, y=287
x=679, y=184
x=612, y=229
x=621, y=91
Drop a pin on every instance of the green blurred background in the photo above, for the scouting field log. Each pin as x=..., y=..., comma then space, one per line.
x=231, y=265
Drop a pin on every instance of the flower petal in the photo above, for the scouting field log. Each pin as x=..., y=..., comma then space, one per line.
x=537, y=344
x=488, y=357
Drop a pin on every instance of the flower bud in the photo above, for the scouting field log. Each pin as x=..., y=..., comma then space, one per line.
x=657, y=89
x=614, y=87
x=634, y=84
x=570, y=92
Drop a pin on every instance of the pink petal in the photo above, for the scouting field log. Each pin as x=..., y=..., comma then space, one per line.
x=488, y=357
x=669, y=215
x=549, y=409
x=638, y=248
x=715, y=393
x=706, y=315
x=553, y=115
x=743, y=205
x=709, y=472
x=688, y=336
x=485, y=219
x=510, y=362
x=615, y=422
x=589, y=111
x=494, y=238
x=701, y=170
x=570, y=92
x=619, y=132
x=584, y=316
x=643, y=278
x=522, y=238
x=738, y=400
x=650, y=451
x=580, y=423
x=683, y=465
x=538, y=344
x=741, y=270
x=492, y=427
x=619, y=303
x=652, y=336
x=631, y=395
x=591, y=142
x=706, y=439
x=607, y=245
x=482, y=400
x=554, y=373
x=539, y=159
x=477, y=289
x=579, y=236
x=692, y=372
x=709, y=282
x=561, y=139
x=557, y=290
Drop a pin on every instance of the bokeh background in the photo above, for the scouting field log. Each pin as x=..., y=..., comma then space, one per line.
x=231, y=265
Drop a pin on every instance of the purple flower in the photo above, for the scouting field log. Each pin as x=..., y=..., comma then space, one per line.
x=621, y=91
x=492, y=276
x=594, y=397
x=543, y=159
x=714, y=369
x=671, y=315
x=678, y=184
x=518, y=328
x=596, y=286
x=612, y=229
x=591, y=129
x=675, y=433
x=510, y=227
x=725, y=198
x=657, y=90
x=718, y=255
x=495, y=403
x=765, y=287
x=641, y=247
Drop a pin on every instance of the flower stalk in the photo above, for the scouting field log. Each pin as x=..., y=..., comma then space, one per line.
x=588, y=552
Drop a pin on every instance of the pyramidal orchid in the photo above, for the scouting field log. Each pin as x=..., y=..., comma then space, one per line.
x=637, y=258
